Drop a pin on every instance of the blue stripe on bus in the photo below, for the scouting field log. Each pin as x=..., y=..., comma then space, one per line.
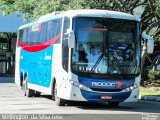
x=95, y=96
x=37, y=67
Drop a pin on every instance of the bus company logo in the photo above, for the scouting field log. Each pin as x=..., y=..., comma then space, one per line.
x=37, y=27
x=107, y=84
x=104, y=84
x=118, y=84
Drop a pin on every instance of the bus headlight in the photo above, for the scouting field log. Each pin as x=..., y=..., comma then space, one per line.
x=80, y=86
x=130, y=88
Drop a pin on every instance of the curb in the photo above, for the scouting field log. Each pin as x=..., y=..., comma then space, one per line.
x=150, y=98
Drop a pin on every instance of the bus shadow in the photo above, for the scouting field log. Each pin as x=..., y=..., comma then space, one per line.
x=95, y=105
x=137, y=108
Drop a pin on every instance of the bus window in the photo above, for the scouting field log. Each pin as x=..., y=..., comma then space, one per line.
x=43, y=33
x=50, y=30
x=57, y=28
x=65, y=49
x=20, y=35
x=54, y=29
x=30, y=40
x=24, y=36
x=36, y=37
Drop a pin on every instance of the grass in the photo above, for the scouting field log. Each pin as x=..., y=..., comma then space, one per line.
x=149, y=91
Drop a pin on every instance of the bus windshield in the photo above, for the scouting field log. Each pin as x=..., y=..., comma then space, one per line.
x=106, y=46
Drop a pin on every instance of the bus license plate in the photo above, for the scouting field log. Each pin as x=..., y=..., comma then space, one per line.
x=106, y=97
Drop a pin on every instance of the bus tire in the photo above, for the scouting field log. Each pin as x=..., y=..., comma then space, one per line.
x=23, y=85
x=28, y=92
x=21, y=80
x=37, y=94
x=53, y=87
x=59, y=101
x=113, y=104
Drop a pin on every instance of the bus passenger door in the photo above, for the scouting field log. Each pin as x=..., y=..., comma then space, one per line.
x=65, y=59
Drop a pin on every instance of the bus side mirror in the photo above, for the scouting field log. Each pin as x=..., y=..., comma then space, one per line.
x=150, y=46
x=150, y=43
x=71, y=38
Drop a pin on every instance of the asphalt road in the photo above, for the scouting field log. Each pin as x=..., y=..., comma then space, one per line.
x=12, y=101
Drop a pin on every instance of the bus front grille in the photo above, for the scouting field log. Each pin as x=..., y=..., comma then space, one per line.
x=106, y=90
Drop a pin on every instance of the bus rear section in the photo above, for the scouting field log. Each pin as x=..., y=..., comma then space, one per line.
x=37, y=47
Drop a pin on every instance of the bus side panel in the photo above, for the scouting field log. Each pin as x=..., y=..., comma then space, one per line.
x=17, y=70
x=37, y=66
x=57, y=73
x=61, y=76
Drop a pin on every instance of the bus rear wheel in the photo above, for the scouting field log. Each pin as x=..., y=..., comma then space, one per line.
x=59, y=101
x=113, y=104
x=28, y=92
x=37, y=94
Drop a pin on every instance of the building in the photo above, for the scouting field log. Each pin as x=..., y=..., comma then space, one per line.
x=9, y=25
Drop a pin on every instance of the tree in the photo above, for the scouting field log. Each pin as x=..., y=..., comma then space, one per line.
x=36, y=8
x=24, y=6
x=150, y=10
x=47, y=6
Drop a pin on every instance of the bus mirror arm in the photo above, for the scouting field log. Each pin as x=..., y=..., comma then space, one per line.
x=71, y=39
x=150, y=43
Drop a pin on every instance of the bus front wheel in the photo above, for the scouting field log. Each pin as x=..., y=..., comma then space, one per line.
x=59, y=101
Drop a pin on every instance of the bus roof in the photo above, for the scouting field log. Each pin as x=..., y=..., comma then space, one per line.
x=84, y=13
x=100, y=13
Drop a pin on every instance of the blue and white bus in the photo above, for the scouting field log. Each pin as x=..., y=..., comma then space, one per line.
x=81, y=55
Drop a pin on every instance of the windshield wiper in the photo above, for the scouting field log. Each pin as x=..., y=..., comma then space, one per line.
x=97, y=62
x=103, y=52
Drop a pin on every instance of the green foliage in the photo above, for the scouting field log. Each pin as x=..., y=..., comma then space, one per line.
x=36, y=8
x=6, y=6
x=47, y=6
x=2, y=35
x=157, y=39
x=74, y=4
x=157, y=4
x=24, y=6
x=154, y=75
x=88, y=4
